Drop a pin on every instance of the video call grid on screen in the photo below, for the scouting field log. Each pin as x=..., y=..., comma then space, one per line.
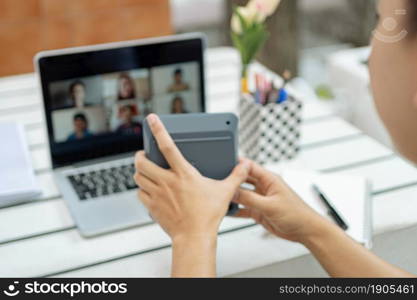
x=118, y=102
x=96, y=97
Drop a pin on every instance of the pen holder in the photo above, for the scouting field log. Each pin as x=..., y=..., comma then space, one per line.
x=270, y=133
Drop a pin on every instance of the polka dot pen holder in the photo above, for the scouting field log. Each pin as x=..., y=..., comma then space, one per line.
x=270, y=133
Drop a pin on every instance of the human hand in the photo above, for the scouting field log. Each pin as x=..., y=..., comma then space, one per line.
x=185, y=203
x=278, y=208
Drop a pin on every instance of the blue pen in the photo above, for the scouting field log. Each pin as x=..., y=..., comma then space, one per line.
x=282, y=96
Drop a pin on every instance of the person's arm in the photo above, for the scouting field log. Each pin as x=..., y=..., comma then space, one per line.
x=281, y=211
x=194, y=256
x=188, y=206
x=341, y=256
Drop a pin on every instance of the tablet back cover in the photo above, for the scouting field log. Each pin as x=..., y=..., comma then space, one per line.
x=207, y=141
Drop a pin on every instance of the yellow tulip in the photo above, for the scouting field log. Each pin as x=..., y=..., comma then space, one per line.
x=250, y=15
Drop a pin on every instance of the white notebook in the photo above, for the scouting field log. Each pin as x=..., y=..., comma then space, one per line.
x=17, y=178
x=349, y=195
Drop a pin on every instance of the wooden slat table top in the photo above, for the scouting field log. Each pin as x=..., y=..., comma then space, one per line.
x=39, y=238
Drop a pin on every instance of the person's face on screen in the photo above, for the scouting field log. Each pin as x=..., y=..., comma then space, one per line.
x=125, y=88
x=80, y=125
x=393, y=70
x=78, y=94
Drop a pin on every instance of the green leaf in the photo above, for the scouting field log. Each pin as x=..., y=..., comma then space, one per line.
x=250, y=40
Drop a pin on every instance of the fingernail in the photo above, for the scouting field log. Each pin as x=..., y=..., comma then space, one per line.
x=152, y=119
x=246, y=164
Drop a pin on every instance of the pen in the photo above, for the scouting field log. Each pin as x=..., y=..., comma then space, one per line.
x=283, y=95
x=258, y=90
x=331, y=210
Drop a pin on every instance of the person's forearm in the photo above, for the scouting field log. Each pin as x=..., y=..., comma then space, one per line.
x=341, y=256
x=194, y=256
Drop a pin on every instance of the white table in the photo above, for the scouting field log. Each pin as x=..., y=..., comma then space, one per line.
x=40, y=238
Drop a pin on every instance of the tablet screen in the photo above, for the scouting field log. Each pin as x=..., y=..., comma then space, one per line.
x=95, y=102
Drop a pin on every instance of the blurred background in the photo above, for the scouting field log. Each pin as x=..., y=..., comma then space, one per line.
x=329, y=61
x=28, y=26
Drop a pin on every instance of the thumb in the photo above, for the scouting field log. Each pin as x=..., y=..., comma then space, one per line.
x=239, y=174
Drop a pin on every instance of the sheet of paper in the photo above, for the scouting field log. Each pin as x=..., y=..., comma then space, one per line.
x=347, y=194
x=17, y=179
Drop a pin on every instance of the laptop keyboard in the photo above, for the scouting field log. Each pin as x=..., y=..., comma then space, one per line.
x=102, y=182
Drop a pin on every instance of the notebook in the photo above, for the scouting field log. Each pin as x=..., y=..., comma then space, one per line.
x=349, y=195
x=17, y=178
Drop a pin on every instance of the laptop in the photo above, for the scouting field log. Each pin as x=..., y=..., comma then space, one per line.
x=95, y=101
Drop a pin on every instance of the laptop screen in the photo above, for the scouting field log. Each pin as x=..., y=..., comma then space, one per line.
x=96, y=101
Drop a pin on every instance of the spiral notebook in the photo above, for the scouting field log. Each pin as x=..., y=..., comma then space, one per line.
x=17, y=178
x=350, y=196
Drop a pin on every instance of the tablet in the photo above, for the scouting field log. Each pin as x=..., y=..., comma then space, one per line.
x=208, y=141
